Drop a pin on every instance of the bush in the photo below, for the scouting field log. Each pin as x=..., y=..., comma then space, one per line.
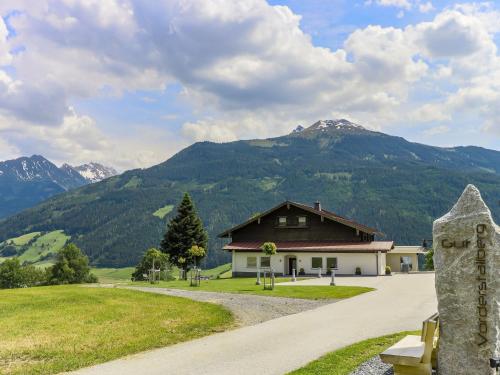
x=11, y=275
x=429, y=260
x=91, y=279
x=71, y=267
x=358, y=271
x=302, y=272
x=388, y=270
x=15, y=275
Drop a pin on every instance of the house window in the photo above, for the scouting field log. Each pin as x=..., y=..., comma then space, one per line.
x=316, y=262
x=251, y=262
x=265, y=261
x=282, y=221
x=302, y=221
x=331, y=263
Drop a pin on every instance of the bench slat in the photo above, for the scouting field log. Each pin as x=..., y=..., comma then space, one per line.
x=408, y=351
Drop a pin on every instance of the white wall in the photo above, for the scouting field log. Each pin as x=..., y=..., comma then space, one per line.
x=382, y=262
x=347, y=263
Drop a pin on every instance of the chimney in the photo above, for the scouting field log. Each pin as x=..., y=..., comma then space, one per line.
x=317, y=206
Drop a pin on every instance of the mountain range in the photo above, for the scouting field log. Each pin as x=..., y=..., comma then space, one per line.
x=383, y=181
x=27, y=181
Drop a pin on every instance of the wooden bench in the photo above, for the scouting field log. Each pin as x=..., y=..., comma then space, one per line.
x=415, y=355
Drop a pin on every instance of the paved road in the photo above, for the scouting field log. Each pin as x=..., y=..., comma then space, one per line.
x=280, y=345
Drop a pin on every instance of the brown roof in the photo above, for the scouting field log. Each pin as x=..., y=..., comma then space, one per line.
x=316, y=246
x=327, y=214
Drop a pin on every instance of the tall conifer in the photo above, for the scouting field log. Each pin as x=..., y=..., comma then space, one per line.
x=184, y=231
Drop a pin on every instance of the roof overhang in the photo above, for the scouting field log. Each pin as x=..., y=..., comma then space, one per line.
x=315, y=246
x=408, y=250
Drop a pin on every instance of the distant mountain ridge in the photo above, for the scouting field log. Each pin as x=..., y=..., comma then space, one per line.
x=95, y=172
x=386, y=182
x=26, y=181
x=92, y=172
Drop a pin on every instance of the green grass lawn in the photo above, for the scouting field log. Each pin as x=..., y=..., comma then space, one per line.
x=345, y=360
x=123, y=275
x=217, y=271
x=113, y=275
x=47, y=330
x=247, y=285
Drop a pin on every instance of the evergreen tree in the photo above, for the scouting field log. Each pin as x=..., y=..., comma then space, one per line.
x=184, y=231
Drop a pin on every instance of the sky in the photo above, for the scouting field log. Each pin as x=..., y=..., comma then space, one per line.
x=130, y=83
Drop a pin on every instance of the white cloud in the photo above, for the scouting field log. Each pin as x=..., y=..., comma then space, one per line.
x=406, y=4
x=452, y=35
x=442, y=129
x=425, y=7
x=8, y=151
x=5, y=56
x=246, y=68
x=430, y=112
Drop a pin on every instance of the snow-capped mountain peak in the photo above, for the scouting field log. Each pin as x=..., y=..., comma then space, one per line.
x=94, y=172
x=35, y=169
x=339, y=126
x=336, y=124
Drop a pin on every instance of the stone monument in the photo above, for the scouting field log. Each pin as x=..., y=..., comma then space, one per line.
x=467, y=263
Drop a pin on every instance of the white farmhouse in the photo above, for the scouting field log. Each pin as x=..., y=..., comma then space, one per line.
x=312, y=240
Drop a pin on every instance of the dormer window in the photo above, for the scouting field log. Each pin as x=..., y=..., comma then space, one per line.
x=302, y=221
x=282, y=221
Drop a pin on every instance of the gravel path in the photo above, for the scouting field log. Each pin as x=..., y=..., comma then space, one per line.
x=248, y=309
x=374, y=366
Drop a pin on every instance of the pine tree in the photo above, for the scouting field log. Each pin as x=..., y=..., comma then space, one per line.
x=184, y=231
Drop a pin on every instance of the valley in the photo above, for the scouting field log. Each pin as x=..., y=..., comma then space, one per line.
x=384, y=181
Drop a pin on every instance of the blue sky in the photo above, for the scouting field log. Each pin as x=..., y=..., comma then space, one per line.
x=129, y=83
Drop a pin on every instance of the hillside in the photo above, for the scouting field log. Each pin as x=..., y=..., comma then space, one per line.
x=380, y=180
x=27, y=181
x=34, y=248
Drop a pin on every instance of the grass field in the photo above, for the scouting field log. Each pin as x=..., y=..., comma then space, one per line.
x=123, y=275
x=33, y=247
x=217, y=271
x=247, y=285
x=345, y=360
x=47, y=330
x=46, y=244
x=113, y=275
x=24, y=239
x=164, y=211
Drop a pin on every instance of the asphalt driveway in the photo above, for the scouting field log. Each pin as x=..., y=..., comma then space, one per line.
x=401, y=302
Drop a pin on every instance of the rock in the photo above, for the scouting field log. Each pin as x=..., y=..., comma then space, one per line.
x=467, y=263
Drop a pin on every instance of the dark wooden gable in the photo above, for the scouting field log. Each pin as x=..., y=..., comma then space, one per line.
x=318, y=227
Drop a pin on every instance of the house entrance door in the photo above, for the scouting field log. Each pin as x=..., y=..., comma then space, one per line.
x=292, y=264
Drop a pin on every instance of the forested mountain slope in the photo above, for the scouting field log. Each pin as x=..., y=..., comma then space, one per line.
x=383, y=181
